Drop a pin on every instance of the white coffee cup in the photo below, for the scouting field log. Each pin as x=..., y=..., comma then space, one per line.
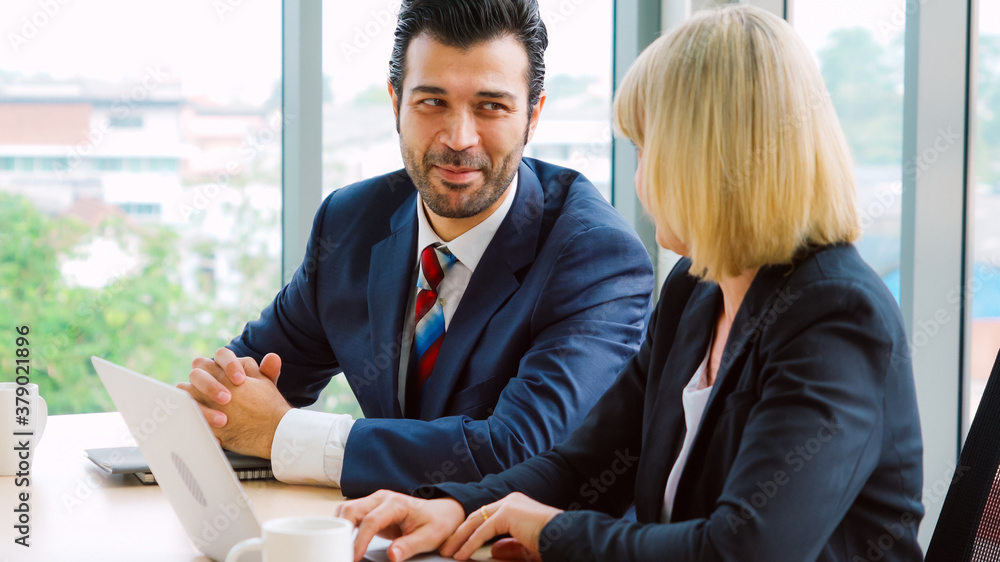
x=303, y=539
x=20, y=402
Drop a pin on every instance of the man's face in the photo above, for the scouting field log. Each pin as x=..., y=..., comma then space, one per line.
x=463, y=122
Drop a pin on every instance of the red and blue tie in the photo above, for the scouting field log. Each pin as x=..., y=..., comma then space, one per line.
x=435, y=263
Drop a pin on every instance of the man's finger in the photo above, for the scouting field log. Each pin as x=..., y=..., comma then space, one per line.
x=194, y=392
x=207, y=364
x=224, y=357
x=250, y=368
x=270, y=366
x=236, y=371
x=214, y=418
x=211, y=388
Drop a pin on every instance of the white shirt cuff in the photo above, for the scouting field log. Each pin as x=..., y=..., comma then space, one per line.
x=308, y=447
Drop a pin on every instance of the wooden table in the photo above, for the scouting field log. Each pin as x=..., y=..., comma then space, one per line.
x=80, y=513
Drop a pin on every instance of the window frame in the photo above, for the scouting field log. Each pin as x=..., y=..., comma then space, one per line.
x=302, y=129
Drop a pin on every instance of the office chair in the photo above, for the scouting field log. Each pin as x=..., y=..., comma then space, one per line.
x=969, y=526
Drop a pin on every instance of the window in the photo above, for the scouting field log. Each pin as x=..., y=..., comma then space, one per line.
x=858, y=45
x=108, y=164
x=133, y=165
x=575, y=127
x=98, y=261
x=126, y=121
x=163, y=165
x=985, y=283
x=51, y=164
x=26, y=164
x=140, y=209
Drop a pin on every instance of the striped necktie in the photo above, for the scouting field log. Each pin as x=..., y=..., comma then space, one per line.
x=435, y=262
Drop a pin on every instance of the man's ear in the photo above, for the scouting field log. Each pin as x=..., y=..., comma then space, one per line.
x=395, y=101
x=536, y=112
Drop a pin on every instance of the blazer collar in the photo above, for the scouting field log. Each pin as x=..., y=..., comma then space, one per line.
x=757, y=312
x=752, y=319
x=390, y=275
x=516, y=241
x=663, y=441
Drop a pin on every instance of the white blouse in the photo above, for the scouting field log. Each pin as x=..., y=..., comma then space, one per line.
x=695, y=399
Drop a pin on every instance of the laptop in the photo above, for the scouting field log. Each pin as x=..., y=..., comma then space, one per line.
x=189, y=465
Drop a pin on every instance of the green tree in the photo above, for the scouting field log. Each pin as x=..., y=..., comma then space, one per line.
x=143, y=319
x=136, y=320
x=377, y=95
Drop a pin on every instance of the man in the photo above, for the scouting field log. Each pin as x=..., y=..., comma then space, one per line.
x=478, y=302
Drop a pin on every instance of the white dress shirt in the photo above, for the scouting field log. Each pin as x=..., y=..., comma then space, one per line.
x=308, y=446
x=695, y=399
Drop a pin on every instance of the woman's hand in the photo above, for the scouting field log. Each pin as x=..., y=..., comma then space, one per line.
x=417, y=525
x=517, y=514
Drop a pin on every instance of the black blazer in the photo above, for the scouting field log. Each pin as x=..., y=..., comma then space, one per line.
x=809, y=448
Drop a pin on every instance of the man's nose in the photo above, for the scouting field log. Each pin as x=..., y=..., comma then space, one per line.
x=460, y=132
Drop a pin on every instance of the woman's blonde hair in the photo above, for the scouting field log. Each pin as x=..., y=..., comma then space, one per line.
x=743, y=156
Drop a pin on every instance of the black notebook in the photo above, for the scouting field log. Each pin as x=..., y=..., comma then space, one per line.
x=129, y=460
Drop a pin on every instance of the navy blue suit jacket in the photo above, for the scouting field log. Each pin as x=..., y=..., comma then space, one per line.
x=809, y=448
x=555, y=308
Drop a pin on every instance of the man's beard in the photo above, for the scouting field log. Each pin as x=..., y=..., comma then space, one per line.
x=495, y=181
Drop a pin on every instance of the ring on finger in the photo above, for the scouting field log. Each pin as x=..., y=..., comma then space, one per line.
x=485, y=514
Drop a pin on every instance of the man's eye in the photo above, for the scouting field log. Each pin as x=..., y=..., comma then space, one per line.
x=493, y=106
x=433, y=102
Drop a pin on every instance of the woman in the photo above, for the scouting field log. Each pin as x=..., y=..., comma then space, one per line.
x=771, y=413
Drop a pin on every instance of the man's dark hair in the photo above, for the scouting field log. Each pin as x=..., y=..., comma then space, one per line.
x=467, y=23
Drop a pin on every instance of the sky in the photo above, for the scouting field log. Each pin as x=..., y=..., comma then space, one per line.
x=227, y=48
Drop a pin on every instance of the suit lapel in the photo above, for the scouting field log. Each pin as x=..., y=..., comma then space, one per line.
x=751, y=320
x=389, y=277
x=494, y=281
x=664, y=440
